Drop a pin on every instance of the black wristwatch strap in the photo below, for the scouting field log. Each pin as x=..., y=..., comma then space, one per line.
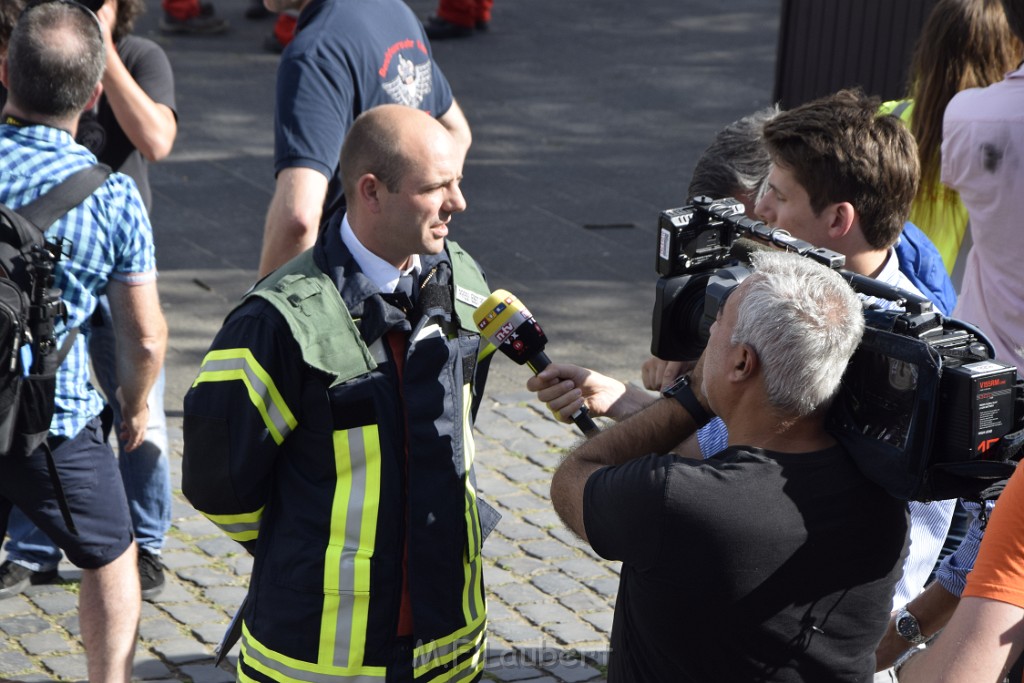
x=681, y=391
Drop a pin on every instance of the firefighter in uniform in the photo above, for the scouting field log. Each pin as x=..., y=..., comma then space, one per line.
x=329, y=431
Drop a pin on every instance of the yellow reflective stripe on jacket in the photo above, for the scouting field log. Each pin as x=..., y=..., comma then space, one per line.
x=472, y=594
x=241, y=527
x=353, y=536
x=467, y=642
x=278, y=667
x=226, y=365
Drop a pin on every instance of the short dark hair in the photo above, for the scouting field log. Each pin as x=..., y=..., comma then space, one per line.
x=840, y=150
x=10, y=10
x=127, y=12
x=55, y=58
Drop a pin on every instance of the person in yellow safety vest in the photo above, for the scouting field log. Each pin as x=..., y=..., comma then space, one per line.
x=973, y=42
x=329, y=430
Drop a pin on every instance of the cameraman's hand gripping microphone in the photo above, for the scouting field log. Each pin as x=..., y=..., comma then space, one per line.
x=507, y=324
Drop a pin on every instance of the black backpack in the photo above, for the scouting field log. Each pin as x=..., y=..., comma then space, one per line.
x=29, y=308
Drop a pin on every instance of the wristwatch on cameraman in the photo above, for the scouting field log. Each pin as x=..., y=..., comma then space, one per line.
x=682, y=391
x=908, y=628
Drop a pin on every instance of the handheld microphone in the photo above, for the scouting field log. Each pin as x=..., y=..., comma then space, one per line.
x=507, y=324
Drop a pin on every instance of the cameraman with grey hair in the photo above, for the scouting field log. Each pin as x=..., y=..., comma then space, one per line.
x=747, y=565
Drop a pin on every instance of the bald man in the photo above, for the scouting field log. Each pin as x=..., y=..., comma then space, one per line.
x=329, y=430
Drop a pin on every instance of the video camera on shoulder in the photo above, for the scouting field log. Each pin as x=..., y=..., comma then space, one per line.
x=924, y=408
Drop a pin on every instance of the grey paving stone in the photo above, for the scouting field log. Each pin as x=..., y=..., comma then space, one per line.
x=583, y=601
x=496, y=576
x=604, y=586
x=13, y=662
x=524, y=566
x=43, y=643
x=198, y=527
x=185, y=558
x=546, y=429
x=497, y=610
x=501, y=672
x=545, y=519
x=56, y=602
x=159, y=629
x=147, y=667
x=207, y=673
x=514, y=530
x=209, y=633
x=496, y=547
x=241, y=564
x=546, y=613
x=581, y=568
x=72, y=667
x=555, y=583
x=602, y=621
x=174, y=591
x=494, y=487
x=515, y=594
x=182, y=650
x=549, y=550
x=228, y=597
x=516, y=631
x=513, y=412
x=19, y=604
x=69, y=623
x=21, y=624
x=541, y=489
x=192, y=613
x=206, y=577
x=574, y=633
x=525, y=473
x=573, y=671
x=220, y=546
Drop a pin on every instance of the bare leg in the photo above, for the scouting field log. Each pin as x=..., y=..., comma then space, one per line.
x=108, y=610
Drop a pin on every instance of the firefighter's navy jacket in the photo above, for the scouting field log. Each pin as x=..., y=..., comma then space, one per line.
x=304, y=443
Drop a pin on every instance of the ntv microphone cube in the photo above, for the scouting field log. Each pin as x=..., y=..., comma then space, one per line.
x=510, y=326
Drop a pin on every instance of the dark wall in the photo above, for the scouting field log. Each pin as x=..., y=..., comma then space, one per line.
x=827, y=45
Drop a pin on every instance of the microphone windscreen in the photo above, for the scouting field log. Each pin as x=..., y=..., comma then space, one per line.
x=509, y=325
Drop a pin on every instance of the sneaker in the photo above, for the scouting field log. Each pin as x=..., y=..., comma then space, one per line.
x=15, y=578
x=272, y=44
x=442, y=29
x=257, y=11
x=151, y=574
x=206, y=22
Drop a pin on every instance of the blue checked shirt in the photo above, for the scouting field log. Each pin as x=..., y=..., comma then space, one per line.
x=108, y=236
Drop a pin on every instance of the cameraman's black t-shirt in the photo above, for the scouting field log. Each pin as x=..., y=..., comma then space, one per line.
x=749, y=566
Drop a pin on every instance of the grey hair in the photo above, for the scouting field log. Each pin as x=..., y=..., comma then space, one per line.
x=804, y=322
x=736, y=159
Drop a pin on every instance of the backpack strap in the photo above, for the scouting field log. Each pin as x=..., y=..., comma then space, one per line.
x=69, y=193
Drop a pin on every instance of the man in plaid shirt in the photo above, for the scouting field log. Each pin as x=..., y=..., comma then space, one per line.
x=52, y=72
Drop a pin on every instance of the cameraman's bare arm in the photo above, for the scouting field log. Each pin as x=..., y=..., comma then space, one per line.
x=141, y=336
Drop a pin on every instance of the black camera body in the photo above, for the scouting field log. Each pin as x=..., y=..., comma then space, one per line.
x=923, y=407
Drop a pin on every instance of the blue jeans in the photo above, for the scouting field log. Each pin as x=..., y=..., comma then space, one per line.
x=145, y=471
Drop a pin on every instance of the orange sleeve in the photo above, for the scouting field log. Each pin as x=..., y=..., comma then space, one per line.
x=999, y=570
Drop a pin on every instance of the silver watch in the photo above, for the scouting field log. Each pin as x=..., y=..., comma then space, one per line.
x=908, y=628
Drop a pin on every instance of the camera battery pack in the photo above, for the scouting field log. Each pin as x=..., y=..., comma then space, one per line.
x=976, y=409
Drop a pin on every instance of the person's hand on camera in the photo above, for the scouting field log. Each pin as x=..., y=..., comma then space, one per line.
x=658, y=374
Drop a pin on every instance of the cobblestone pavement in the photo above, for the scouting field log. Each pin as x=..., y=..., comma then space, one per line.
x=549, y=596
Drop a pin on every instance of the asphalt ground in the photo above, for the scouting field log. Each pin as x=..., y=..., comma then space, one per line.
x=587, y=119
